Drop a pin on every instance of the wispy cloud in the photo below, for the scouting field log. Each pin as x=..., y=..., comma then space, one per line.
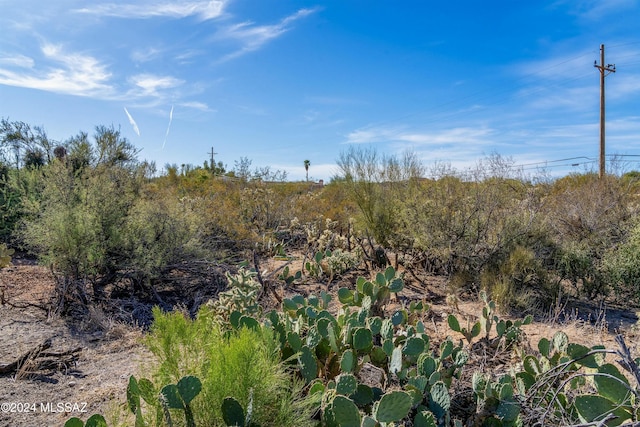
x=252, y=37
x=145, y=55
x=69, y=73
x=196, y=105
x=150, y=85
x=21, y=61
x=594, y=10
x=459, y=135
x=204, y=10
x=133, y=122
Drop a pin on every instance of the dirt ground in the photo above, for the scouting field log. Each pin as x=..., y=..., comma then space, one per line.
x=112, y=351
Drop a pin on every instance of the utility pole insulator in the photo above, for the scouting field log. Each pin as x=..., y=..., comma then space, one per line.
x=605, y=70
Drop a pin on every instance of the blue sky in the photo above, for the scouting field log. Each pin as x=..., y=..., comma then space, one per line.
x=284, y=81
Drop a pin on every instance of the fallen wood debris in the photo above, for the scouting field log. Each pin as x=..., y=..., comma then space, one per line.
x=38, y=360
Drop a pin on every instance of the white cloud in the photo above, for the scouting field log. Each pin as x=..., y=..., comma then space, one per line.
x=205, y=10
x=21, y=61
x=457, y=135
x=150, y=85
x=70, y=73
x=145, y=55
x=196, y=106
x=252, y=37
x=594, y=10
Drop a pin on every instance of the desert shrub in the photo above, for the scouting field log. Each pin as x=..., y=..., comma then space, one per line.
x=78, y=225
x=97, y=219
x=519, y=283
x=589, y=211
x=377, y=184
x=236, y=364
x=160, y=232
x=577, y=264
x=5, y=255
x=621, y=267
x=462, y=225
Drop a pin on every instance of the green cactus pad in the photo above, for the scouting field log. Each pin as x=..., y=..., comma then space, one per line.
x=348, y=361
x=189, y=387
x=616, y=389
x=532, y=365
x=368, y=289
x=313, y=338
x=446, y=348
x=413, y=346
x=363, y=395
x=544, y=346
x=362, y=339
x=389, y=273
x=96, y=420
x=378, y=356
x=345, y=295
x=425, y=419
x=294, y=341
x=396, y=285
x=232, y=412
x=171, y=397
x=426, y=365
x=74, y=422
x=346, y=412
x=508, y=410
x=593, y=408
x=420, y=382
x=375, y=324
x=308, y=364
x=346, y=384
x=249, y=323
x=369, y=422
x=454, y=325
x=439, y=401
x=398, y=318
x=386, y=331
x=393, y=407
x=133, y=394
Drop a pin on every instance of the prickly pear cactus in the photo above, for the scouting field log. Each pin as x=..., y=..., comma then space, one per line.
x=393, y=406
x=346, y=412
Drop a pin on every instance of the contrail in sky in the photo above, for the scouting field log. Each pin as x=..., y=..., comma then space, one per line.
x=168, y=127
x=133, y=122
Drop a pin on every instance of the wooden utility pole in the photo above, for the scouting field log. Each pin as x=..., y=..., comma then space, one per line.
x=212, y=164
x=605, y=70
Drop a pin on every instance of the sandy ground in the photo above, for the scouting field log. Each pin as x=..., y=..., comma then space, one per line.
x=97, y=382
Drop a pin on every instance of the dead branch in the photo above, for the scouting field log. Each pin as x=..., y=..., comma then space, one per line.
x=38, y=359
x=265, y=284
x=16, y=364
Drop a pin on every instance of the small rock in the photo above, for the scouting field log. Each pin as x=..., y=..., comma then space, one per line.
x=71, y=383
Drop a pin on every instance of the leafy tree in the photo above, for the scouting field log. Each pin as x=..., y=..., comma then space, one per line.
x=378, y=184
x=307, y=163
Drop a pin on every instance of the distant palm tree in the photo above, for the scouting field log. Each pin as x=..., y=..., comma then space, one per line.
x=307, y=163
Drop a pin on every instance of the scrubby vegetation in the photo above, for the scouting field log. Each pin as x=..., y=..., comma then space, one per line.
x=115, y=230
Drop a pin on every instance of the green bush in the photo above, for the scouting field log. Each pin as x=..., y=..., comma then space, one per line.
x=621, y=267
x=520, y=282
x=230, y=364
